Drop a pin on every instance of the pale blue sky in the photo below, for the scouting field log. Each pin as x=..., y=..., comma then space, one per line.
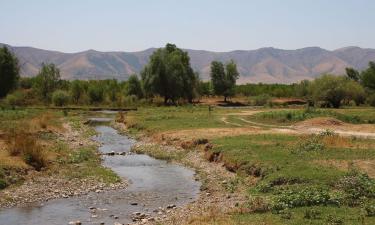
x=218, y=25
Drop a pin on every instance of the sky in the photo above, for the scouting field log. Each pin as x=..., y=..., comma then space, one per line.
x=215, y=25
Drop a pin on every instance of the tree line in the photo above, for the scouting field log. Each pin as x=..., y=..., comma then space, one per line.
x=169, y=76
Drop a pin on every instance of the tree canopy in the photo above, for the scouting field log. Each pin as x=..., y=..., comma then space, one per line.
x=170, y=75
x=224, y=80
x=9, y=71
x=47, y=81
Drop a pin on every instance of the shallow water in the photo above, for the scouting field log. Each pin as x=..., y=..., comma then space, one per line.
x=154, y=183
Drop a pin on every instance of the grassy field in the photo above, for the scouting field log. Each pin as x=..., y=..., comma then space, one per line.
x=287, y=117
x=312, y=179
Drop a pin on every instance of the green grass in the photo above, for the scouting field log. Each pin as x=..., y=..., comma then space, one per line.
x=177, y=118
x=349, y=216
x=288, y=175
x=285, y=117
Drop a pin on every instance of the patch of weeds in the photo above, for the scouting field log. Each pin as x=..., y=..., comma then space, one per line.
x=357, y=187
x=312, y=214
x=81, y=155
x=314, y=143
x=298, y=197
x=258, y=205
x=285, y=214
x=369, y=209
x=3, y=184
x=232, y=185
x=334, y=220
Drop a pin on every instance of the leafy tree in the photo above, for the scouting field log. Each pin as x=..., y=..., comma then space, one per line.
x=95, y=93
x=169, y=75
x=368, y=77
x=134, y=86
x=329, y=89
x=47, y=81
x=76, y=90
x=112, y=89
x=224, y=80
x=352, y=74
x=9, y=71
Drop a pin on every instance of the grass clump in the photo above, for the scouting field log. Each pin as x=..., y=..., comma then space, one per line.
x=26, y=145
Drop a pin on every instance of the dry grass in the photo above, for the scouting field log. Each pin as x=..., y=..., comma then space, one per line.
x=211, y=216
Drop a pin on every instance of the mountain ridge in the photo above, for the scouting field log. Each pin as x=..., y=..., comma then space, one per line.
x=267, y=65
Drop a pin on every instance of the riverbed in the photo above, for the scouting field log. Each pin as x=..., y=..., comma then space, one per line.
x=154, y=184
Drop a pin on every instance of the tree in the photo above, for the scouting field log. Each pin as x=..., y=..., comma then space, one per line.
x=76, y=90
x=9, y=71
x=95, y=93
x=224, y=80
x=368, y=77
x=352, y=74
x=134, y=86
x=329, y=89
x=47, y=81
x=170, y=75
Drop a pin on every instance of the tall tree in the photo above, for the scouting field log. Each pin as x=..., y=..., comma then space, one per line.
x=47, y=81
x=368, y=77
x=134, y=86
x=224, y=80
x=352, y=74
x=9, y=71
x=169, y=74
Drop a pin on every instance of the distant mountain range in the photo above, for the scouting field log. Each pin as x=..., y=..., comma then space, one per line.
x=267, y=65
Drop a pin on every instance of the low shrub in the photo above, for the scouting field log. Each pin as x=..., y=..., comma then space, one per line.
x=15, y=99
x=81, y=155
x=357, y=187
x=334, y=220
x=312, y=214
x=370, y=209
x=261, y=100
x=298, y=197
x=371, y=100
x=3, y=184
x=60, y=98
x=314, y=143
x=259, y=205
x=26, y=146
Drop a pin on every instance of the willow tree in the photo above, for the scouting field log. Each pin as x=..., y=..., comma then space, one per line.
x=170, y=75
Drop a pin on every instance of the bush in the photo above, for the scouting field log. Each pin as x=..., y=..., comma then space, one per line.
x=96, y=94
x=357, y=187
x=334, y=220
x=370, y=209
x=312, y=214
x=306, y=196
x=3, y=184
x=25, y=145
x=261, y=100
x=130, y=100
x=371, y=100
x=313, y=143
x=15, y=99
x=60, y=98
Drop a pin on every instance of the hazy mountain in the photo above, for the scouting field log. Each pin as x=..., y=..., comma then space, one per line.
x=268, y=65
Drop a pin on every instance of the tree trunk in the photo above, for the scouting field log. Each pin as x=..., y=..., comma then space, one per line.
x=165, y=100
x=225, y=98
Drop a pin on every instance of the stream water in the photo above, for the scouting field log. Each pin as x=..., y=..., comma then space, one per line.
x=153, y=183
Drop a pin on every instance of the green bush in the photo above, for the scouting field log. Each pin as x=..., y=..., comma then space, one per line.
x=313, y=143
x=357, y=187
x=312, y=214
x=298, y=197
x=3, y=184
x=60, y=98
x=371, y=100
x=261, y=100
x=15, y=99
x=334, y=220
x=370, y=209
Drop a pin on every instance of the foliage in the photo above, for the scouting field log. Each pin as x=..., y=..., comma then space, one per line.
x=273, y=90
x=368, y=76
x=47, y=81
x=371, y=100
x=224, y=80
x=313, y=143
x=60, y=98
x=17, y=98
x=81, y=155
x=170, y=75
x=95, y=93
x=134, y=87
x=261, y=100
x=76, y=90
x=9, y=71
